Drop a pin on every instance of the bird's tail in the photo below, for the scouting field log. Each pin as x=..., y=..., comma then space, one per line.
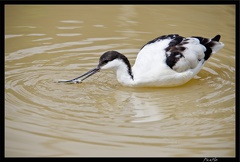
x=212, y=45
x=216, y=45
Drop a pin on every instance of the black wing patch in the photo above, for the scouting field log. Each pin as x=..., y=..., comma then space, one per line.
x=173, y=58
x=174, y=50
x=170, y=36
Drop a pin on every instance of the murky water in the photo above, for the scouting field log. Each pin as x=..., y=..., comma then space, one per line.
x=100, y=117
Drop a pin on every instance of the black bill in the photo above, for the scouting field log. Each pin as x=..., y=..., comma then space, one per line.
x=84, y=76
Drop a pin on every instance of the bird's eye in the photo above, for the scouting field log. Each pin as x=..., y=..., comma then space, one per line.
x=105, y=61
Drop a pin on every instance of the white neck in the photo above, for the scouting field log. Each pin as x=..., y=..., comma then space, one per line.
x=123, y=75
x=122, y=72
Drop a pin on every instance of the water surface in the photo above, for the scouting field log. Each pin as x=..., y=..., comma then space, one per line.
x=45, y=43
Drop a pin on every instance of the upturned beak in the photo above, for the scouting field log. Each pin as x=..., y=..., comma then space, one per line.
x=83, y=76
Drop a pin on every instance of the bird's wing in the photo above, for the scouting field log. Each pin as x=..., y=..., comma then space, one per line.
x=185, y=53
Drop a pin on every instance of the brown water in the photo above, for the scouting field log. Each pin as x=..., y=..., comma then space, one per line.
x=100, y=117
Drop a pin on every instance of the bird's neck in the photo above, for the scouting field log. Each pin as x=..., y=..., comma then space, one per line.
x=124, y=74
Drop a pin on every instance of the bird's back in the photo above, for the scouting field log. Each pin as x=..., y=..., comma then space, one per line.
x=174, y=57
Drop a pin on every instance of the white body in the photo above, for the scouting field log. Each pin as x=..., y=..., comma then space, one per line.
x=150, y=68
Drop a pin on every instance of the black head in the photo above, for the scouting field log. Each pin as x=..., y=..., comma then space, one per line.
x=112, y=55
x=109, y=56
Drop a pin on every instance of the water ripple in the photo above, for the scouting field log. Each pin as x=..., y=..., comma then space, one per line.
x=100, y=114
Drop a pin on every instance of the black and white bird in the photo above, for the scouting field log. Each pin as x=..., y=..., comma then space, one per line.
x=168, y=60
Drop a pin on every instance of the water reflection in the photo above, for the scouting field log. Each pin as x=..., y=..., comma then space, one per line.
x=143, y=108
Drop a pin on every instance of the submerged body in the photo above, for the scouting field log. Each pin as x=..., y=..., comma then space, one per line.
x=169, y=60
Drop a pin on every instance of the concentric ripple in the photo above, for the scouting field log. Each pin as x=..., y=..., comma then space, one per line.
x=101, y=108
